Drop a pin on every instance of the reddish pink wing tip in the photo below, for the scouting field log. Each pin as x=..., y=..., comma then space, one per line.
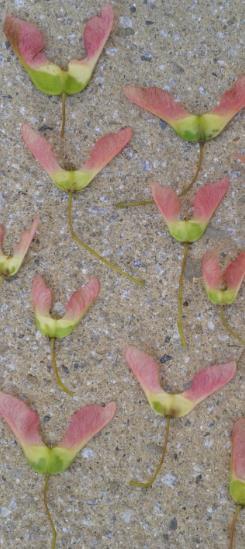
x=208, y=198
x=167, y=201
x=41, y=296
x=26, y=39
x=238, y=449
x=209, y=380
x=82, y=299
x=233, y=100
x=235, y=272
x=23, y=421
x=211, y=271
x=106, y=148
x=26, y=238
x=40, y=149
x=96, y=32
x=85, y=423
x=145, y=369
x=156, y=101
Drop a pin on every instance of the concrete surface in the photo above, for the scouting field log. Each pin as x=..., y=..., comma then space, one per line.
x=194, y=49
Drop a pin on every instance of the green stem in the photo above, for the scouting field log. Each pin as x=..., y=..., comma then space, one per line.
x=180, y=296
x=150, y=201
x=198, y=168
x=55, y=369
x=232, y=536
x=113, y=266
x=149, y=482
x=229, y=330
x=63, y=115
x=45, y=499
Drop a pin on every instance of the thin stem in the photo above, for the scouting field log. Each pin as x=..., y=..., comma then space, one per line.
x=232, y=528
x=55, y=369
x=180, y=296
x=149, y=482
x=134, y=203
x=113, y=266
x=198, y=168
x=63, y=115
x=150, y=201
x=45, y=499
x=229, y=330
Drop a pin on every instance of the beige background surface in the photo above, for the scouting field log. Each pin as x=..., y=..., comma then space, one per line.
x=193, y=49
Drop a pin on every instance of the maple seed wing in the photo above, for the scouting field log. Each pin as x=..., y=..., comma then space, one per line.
x=237, y=480
x=209, y=380
x=84, y=425
x=207, y=200
x=96, y=34
x=211, y=271
x=231, y=102
x=81, y=300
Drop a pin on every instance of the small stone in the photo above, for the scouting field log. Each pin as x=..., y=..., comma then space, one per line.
x=146, y=56
x=173, y=524
x=163, y=124
x=125, y=22
x=165, y=358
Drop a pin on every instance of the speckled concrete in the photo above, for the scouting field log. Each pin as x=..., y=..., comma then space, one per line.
x=193, y=49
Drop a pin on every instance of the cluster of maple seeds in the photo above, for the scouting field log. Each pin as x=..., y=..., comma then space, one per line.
x=221, y=287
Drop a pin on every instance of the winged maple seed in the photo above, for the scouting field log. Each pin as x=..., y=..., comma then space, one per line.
x=28, y=42
x=237, y=474
x=76, y=308
x=9, y=266
x=205, y=203
x=191, y=127
x=24, y=422
x=222, y=286
x=104, y=150
x=206, y=382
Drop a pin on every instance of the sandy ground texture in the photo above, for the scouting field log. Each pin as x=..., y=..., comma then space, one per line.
x=194, y=50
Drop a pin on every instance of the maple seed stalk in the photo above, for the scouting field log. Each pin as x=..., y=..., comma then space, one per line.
x=229, y=330
x=55, y=369
x=198, y=168
x=149, y=482
x=45, y=499
x=180, y=296
x=232, y=527
x=113, y=266
x=134, y=203
x=63, y=115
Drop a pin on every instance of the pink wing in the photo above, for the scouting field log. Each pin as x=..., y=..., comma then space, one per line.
x=106, y=148
x=145, y=369
x=156, y=101
x=208, y=198
x=167, y=201
x=40, y=149
x=23, y=421
x=26, y=238
x=235, y=272
x=27, y=41
x=85, y=423
x=238, y=449
x=209, y=380
x=233, y=100
x=81, y=300
x=41, y=296
x=211, y=271
x=97, y=31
